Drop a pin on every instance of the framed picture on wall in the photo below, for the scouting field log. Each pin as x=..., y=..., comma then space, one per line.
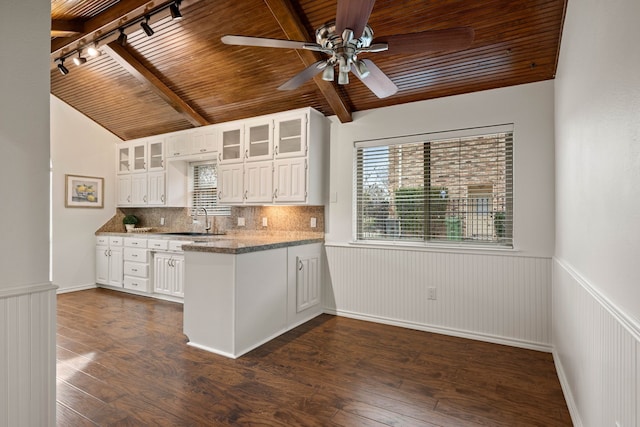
x=83, y=192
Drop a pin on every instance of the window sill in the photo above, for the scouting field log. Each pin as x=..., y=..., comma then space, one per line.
x=429, y=247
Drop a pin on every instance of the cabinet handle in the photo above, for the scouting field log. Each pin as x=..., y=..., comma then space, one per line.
x=134, y=283
x=134, y=270
x=300, y=265
x=219, y=195
x=162, y=198
x=106, y=252
x=245, y=194
x=219, y=157
x=134, y=255
x=246, y=154
x=202, y=150
x=109, y=252
x=275, y=149
x=129, y=199
x=144, y=199
x=275, y=194
x=176, y=154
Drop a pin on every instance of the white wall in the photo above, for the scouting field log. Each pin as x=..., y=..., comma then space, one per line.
x=27, y=299
x=499, y=296
x=596, y=278
x=79, y=146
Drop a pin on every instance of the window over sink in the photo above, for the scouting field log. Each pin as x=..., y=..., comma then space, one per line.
x=203, y=188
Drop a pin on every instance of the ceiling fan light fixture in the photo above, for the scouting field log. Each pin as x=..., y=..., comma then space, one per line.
x=175, y=11
x=344, y=65
x=343, y=78
x=328, y=74
x=362, y=70
x=63, y=70
x=146, y=27
x=79, y=60
x=122, y=38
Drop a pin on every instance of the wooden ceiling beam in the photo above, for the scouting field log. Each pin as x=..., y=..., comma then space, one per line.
x=66, y=28
x=123, y=57
x=294, y=29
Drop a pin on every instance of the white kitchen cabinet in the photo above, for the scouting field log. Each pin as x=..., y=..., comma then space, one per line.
x=290, y=176
x=139, y=189
x=124, y=190
x=156, y=189
x=109, y=261
x=168, y=274
x=230, y=183
x=258, y=140
x=304, y=280
x=180, y=143
x=155, y=150
x=231, y=143
x=123, y=158
x=136, y=264
x=205, y=140
x=138, y=152
x=290, y=135
x=258, y=181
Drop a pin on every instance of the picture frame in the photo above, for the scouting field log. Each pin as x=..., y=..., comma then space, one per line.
x=83, y=191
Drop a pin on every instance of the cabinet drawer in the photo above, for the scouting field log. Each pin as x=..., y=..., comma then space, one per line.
x=136, y=269
x=137, y=255
x=115, y=241
x=133, y=242
x=136, y=283
x=157, y=244
x=176, y=245
x=102, y=240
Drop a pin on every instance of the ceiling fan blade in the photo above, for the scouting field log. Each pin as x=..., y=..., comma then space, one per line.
x=376, y=80
x=430, y=41
x=353, y=14
x=306, y=74
x=264, y=42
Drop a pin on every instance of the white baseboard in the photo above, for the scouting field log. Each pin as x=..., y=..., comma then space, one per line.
x=444, y=331
x=566, y=390
x=76, y=288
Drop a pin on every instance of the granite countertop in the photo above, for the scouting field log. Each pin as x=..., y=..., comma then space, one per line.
x=235, y=243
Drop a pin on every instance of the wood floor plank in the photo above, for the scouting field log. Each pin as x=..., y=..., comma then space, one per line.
x=123, y=361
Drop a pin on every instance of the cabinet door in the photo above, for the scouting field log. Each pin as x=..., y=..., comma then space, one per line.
x=124, y=158
x=230, y=144
x=115, y=266
x=307, y=282
x=290, y=178
x=155, y=148
x=180, y=144
x=177, y=282
x=161, y=273
x=156, y=188
x=259, y=182
x=258, y=141
x=124, y=190
x=139, y=189
x=290, y=136
x=139, y=156
x=102, y=265
x=205, y=141
x=230, y=185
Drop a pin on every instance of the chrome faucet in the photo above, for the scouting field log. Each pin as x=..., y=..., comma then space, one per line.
x=207, y=225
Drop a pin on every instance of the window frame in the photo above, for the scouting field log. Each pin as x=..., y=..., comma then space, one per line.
x=498, y=243
x=217, y=209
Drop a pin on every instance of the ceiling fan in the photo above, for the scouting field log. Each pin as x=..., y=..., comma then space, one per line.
x=350, y=35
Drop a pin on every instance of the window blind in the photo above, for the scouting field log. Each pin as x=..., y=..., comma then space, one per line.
x=457, y=189
x=204, y=188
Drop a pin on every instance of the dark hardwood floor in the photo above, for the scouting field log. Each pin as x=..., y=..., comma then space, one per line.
x=123, y=361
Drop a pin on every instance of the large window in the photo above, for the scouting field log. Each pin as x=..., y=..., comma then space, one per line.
x=454, y=187
x=204, y=188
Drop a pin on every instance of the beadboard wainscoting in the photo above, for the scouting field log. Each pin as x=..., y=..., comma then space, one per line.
x=596, y=351
x=27, y=356
x=498, y=298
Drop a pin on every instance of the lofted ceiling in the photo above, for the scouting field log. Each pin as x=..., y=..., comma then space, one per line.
x=183, y=75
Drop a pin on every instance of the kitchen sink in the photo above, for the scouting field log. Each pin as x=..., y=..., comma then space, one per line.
x=190, y=233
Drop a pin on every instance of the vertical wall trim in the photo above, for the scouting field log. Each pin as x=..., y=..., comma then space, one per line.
x=596, y=351
x=27, y=356
x=485, y=296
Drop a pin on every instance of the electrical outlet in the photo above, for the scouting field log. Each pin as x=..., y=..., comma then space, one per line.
x=314, y=222
x=240, y=221
x=161, y=221
x=264, y=221
x=431, y=293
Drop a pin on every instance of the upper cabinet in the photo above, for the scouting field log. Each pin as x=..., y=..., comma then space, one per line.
x=230, y=143
x=258, y=140
x=140, y=155
x=290, y=135
x=141, y=172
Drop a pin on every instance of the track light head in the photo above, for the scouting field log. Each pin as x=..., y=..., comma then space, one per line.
x=122, y=38
x=93, y=50
x=175, y=11
x=80, y=59
x=63, y=70
x=146, y=27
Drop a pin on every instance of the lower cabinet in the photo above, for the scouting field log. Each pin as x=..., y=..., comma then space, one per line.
x=136, y=264
x=237, y=302
x=109, y=256
x=168, y=274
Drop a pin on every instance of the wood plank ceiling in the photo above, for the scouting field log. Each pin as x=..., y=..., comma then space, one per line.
x=184, y=76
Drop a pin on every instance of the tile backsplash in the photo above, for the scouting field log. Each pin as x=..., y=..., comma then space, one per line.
x=278, y=218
